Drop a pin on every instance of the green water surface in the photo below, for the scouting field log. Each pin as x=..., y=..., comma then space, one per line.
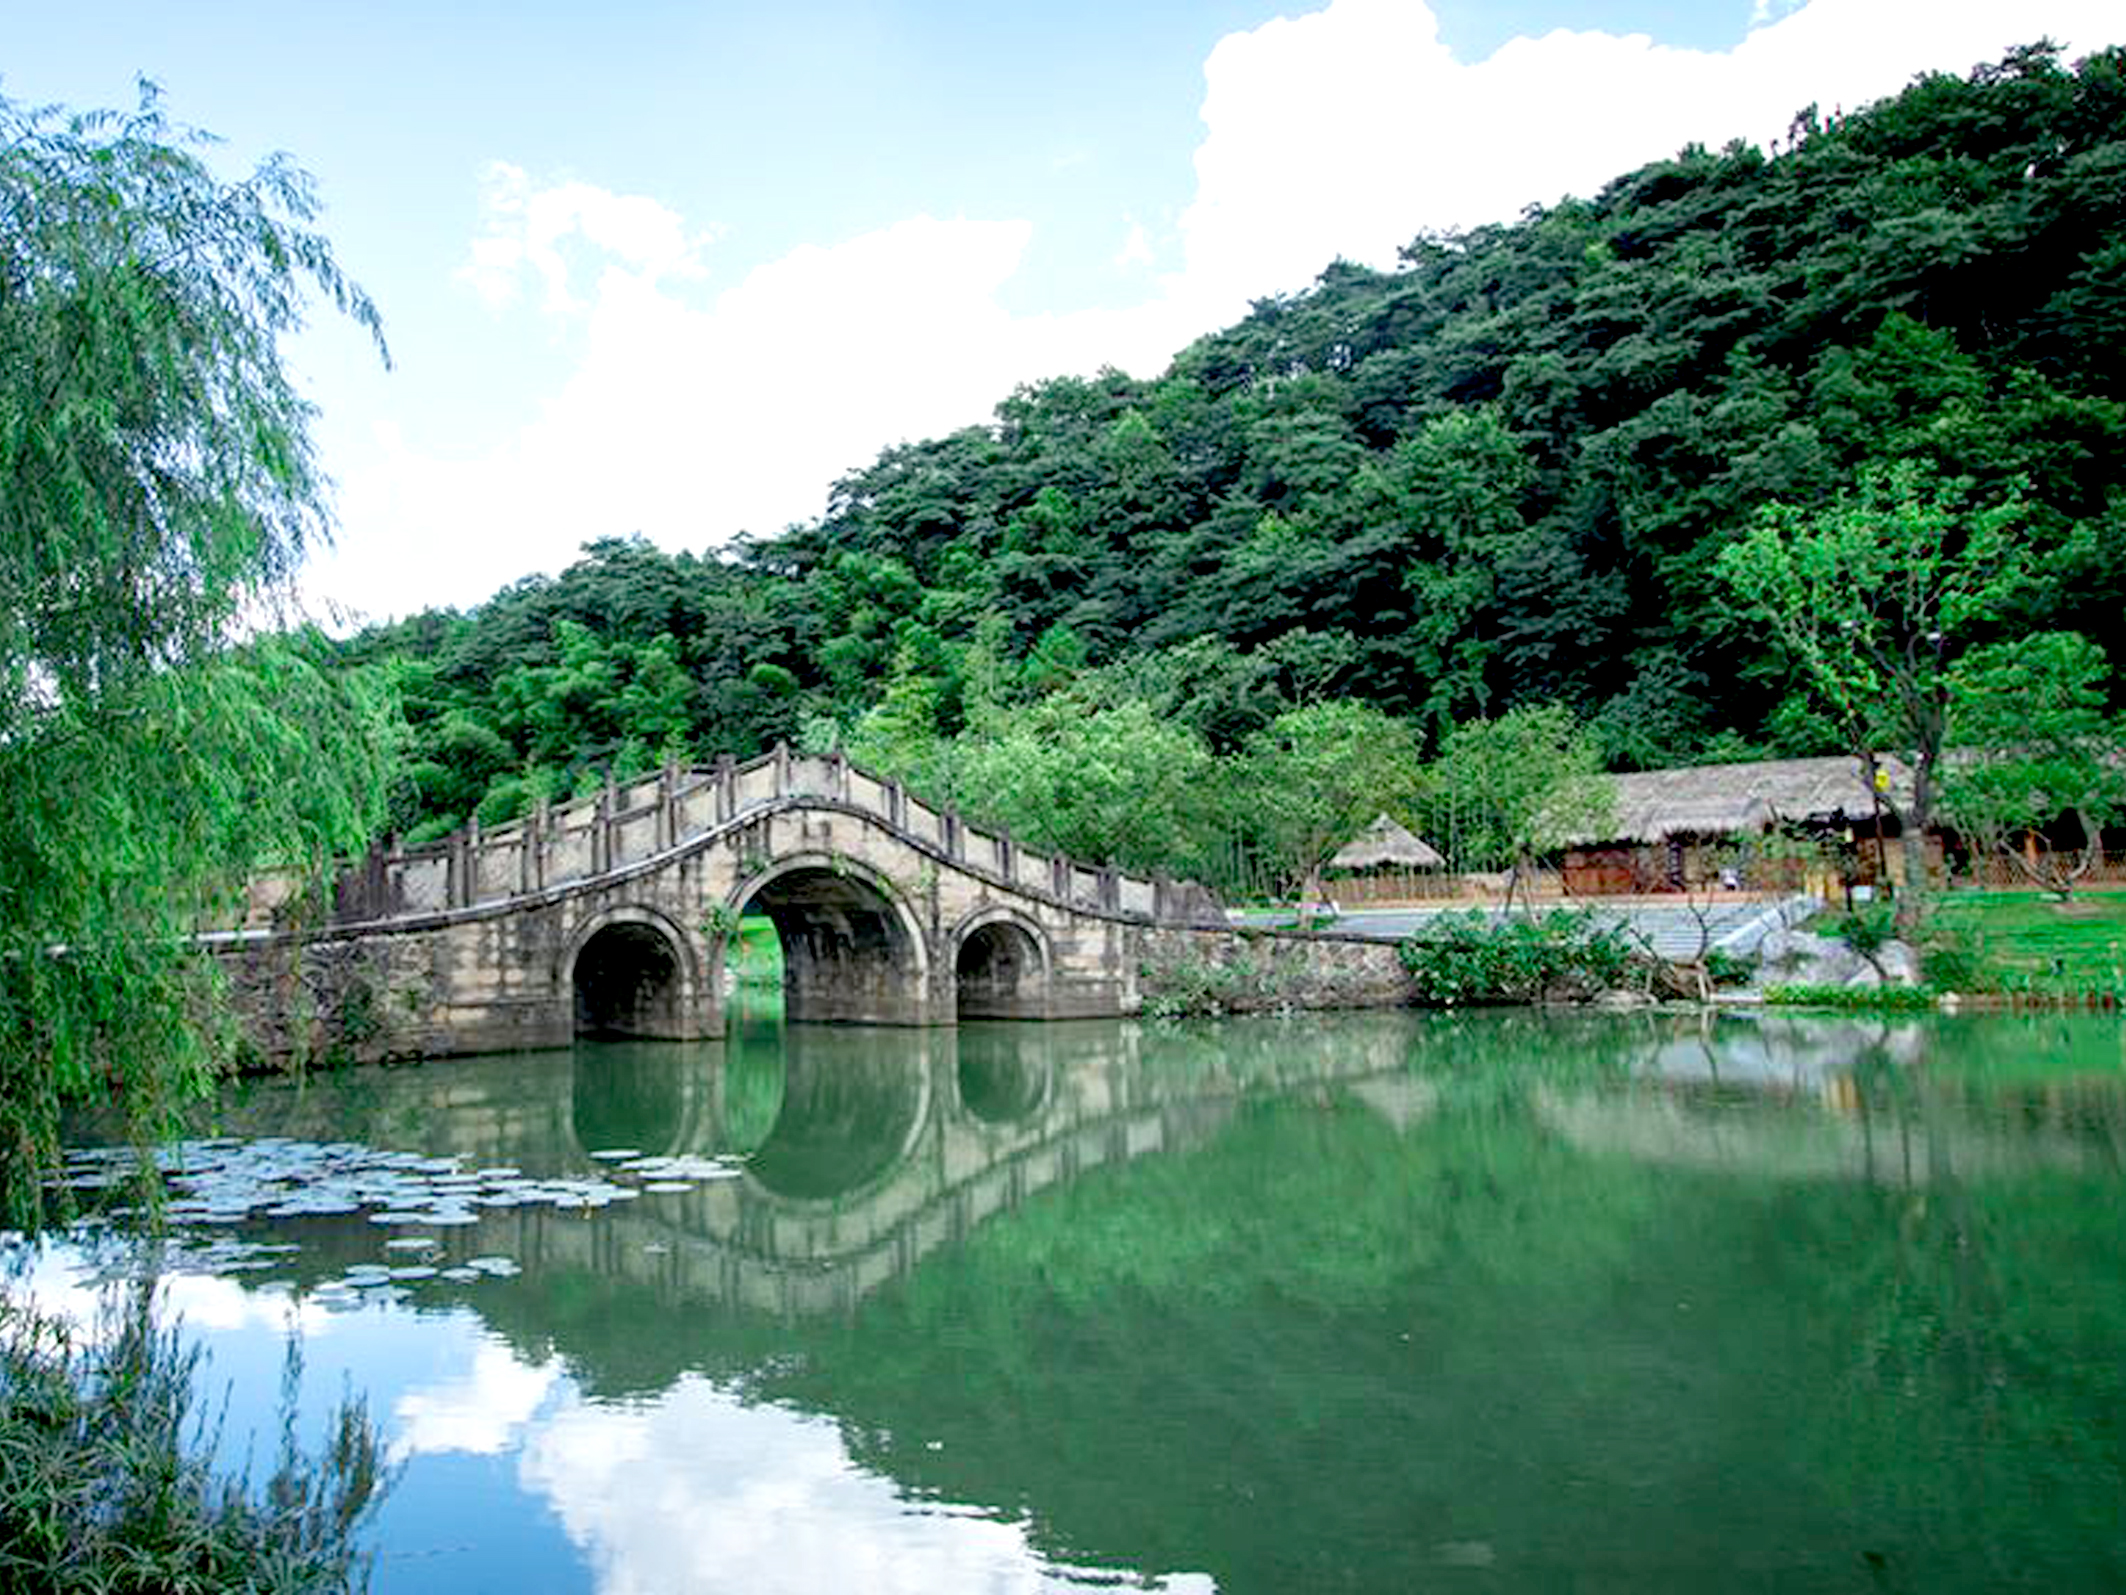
x=1376, y=1303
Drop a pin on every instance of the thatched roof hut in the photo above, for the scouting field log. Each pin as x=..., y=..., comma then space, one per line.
x=1728, y=799
x=1385, y=845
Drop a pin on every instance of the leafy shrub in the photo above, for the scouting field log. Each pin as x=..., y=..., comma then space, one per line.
x=1476, y=958
x=1729, y=969
x=1867, y=928
x=1955, y=957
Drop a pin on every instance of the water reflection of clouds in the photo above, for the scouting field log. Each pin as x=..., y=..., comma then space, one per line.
x=696, y=1491
x=65, y=1283
x=481, y=1411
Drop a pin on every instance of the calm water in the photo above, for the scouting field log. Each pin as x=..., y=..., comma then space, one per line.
x=1379, y=1303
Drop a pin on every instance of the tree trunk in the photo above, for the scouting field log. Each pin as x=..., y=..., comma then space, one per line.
x=1912, y=839
x=2050, y=874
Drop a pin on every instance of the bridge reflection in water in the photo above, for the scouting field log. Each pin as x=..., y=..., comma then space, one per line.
x=1412, y=1299
x=851, y=1154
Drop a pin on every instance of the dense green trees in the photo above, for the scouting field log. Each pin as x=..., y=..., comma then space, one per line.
x=1506, y=791
x=1500, y=476
x=156, y=489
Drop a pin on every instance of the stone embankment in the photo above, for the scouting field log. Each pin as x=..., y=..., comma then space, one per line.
x=1201, y=971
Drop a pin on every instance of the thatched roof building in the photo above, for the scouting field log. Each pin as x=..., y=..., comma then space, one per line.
x=1386, y=845
x=1728, y=799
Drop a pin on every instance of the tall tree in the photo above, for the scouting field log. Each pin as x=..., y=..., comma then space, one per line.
x=1874, y=599
x=1096, y=781
x=1314, y=776
x=157, y=490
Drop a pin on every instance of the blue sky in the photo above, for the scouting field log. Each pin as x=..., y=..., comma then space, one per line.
x=673, y=267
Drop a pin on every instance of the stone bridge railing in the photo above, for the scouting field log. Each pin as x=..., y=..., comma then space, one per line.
x=623, y=826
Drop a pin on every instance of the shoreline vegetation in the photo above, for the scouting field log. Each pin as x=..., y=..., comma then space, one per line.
x=110, y=1479
x=1983, y=952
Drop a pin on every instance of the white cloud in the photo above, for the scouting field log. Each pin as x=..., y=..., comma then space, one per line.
x=1136, y=247
x=693, y=423
x=58, y=1282
x=208, y=1302
x=1348, y=130
x=62, y=1281
x=525, y=228
x=1339, y=133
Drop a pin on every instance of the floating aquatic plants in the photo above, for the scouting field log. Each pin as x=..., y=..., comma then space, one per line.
x=215, y=1185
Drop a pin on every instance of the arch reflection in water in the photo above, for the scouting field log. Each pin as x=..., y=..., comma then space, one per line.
x=1488, y=1299
x=865, y=1151
x=629, y=1094
x=1004, y=1070
x=849, y=1111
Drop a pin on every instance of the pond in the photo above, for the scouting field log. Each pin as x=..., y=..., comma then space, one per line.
x=1506, y=1301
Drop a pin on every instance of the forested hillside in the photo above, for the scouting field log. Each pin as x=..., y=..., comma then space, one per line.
x=1494, y=478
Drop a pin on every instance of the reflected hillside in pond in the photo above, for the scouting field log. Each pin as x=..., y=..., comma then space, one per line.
x=1500, y=1330
x=788, y=1170
x=835, y=1139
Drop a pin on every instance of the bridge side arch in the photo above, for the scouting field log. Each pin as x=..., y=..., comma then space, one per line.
x=632, y=971
x=854, y=950
x=1002, y=965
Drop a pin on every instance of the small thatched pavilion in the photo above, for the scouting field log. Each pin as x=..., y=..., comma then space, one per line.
x=1383, y=862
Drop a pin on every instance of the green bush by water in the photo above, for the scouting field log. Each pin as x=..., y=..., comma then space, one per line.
x=1475, y=958
x=108, y=1481
x=1887, y=998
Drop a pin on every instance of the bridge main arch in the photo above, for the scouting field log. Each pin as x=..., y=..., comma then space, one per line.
x=853, y=949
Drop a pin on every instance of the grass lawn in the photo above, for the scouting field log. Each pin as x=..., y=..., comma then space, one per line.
x=2030, y=941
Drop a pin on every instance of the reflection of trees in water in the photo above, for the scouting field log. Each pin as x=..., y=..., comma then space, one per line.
x=1977, y=1393
x=752, y=1076
x=1412, y=1319
x=628, y=1094
x=848, y=1111
x=1574, y=1356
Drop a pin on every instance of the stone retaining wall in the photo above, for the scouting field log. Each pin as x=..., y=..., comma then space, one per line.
x=1186, y=970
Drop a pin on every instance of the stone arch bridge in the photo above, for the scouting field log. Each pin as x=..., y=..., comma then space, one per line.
x=611, y=916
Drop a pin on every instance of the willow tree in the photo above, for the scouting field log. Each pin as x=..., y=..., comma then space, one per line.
x=161, y=733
